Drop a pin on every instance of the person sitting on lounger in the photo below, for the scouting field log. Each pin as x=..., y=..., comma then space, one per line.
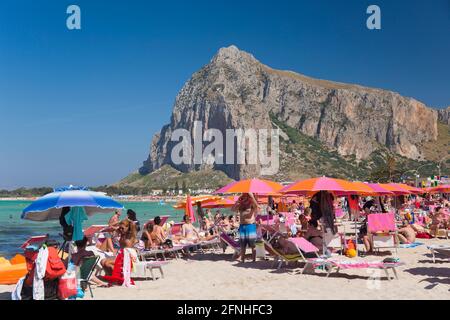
x=284, y=246
x=188, y=231
x=314, y=234
x=127, y=232
x=131, y=215
x=438, y=220
x=159, y=230
x=304, y=218
x=146, y=236
x=77, y=258
x=406, y=234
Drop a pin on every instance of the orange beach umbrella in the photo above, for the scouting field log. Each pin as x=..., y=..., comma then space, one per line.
x=324, y=184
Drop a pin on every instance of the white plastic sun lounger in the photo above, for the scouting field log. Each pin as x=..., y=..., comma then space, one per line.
x=441, y=250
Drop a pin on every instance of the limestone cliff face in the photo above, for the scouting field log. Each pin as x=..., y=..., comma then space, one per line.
x=444, y=115
x=236, y=91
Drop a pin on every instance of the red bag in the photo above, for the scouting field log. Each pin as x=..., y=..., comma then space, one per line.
x=68, y=285
x=55, y=266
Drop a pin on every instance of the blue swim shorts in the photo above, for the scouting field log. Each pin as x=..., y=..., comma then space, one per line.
x=247, y=235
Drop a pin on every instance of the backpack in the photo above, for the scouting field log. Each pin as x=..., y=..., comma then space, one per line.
x=55, y=266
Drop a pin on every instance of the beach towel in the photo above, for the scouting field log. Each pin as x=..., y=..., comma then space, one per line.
x=39, y=274
x=130, y=258
x=411, y=245
x=17, y=292
x=75, y=217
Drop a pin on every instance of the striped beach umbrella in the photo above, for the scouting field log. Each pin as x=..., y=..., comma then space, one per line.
x=439, y=189
x=256, y=186
x=411, y=189
x=369, y=190
x=221, y=203
x=394, y=188
x=196, y=199
x=324, y=184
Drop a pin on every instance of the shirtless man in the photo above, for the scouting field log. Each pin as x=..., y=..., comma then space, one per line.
x=247, y=207
x=115, y=220
x=406, y=234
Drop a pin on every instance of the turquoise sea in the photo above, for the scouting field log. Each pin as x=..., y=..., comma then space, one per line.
x=15, y=231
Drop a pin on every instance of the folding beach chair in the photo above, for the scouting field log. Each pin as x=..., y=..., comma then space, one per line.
x=439, y=250
x=231, y=243
x=270, y=232
x=279, y=257
x=305, y=247
x=382, y=230
x=87, y=268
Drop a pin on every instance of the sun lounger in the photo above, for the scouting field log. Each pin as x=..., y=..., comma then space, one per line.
x=334, y=265
x=440, y=250
x=141, y=268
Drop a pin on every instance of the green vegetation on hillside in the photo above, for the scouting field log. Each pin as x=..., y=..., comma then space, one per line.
x=168, y=178
x=303, y=156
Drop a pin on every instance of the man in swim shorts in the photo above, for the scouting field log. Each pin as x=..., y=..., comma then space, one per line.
x=247, y=207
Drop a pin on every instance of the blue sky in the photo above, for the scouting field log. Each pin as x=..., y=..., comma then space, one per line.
x=81, y=106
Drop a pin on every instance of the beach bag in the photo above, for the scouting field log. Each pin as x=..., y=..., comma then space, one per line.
x=55, y=266
x=68, y=285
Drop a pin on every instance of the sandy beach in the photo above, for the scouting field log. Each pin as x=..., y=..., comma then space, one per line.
x=215, y=276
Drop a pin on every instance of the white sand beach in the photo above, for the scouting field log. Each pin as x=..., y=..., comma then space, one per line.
x=215, y=276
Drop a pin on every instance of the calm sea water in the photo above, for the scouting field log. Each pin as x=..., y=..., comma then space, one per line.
x=15, y=231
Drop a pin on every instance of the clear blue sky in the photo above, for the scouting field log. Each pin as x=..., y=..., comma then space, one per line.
x=81, y=107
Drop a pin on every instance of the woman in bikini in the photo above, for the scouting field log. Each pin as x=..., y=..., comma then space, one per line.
x=127, y=232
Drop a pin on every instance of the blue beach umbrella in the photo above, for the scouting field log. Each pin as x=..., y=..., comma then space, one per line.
x=49, y=206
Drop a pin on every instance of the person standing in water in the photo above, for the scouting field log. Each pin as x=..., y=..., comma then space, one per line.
x=247, y=207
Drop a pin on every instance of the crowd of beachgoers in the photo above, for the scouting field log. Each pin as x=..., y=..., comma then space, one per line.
x=312, y=229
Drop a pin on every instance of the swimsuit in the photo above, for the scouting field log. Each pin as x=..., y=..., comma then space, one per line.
x=247, y=235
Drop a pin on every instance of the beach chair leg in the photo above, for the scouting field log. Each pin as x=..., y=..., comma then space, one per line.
x=90, y=289
x=434, y=258
x=161, y=271
x=151, y=272
x=329, y=271
x=387, y=274
x=395, y=273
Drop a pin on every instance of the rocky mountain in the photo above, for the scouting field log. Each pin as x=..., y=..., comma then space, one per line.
x=342, y=121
